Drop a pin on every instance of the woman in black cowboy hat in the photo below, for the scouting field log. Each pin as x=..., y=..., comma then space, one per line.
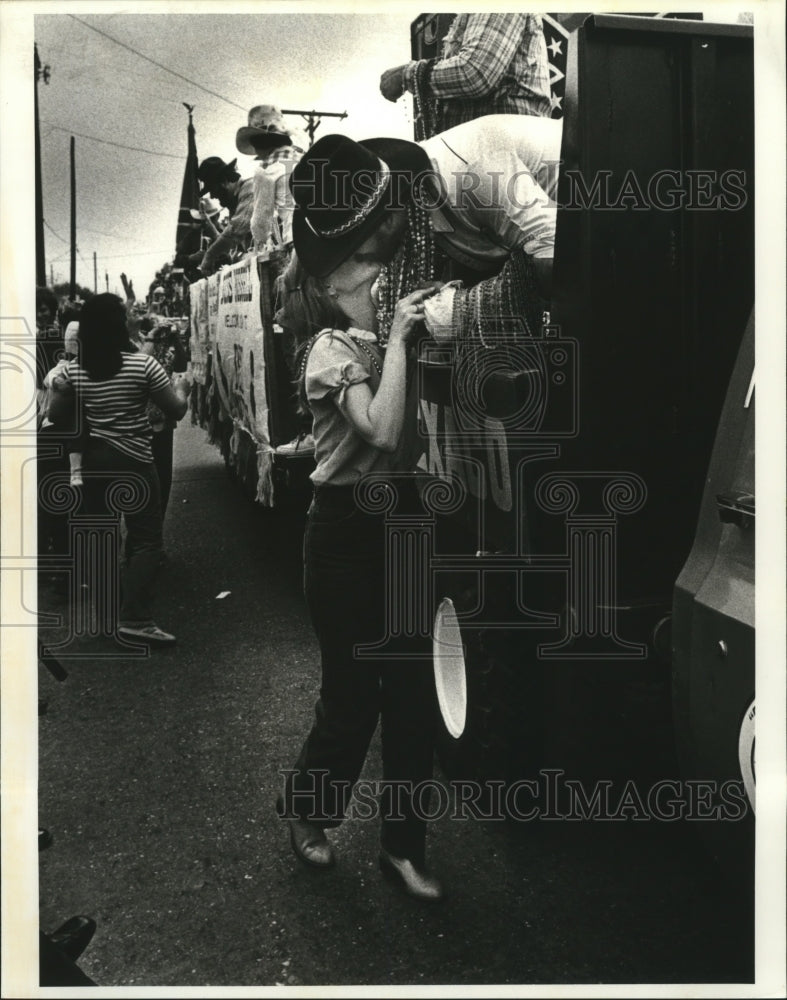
x=476, y=195
x=361, y=400
x=383, y=205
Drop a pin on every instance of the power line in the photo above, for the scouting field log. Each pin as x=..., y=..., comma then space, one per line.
x=104, y=83
x=51, y=230
x=160, y=65
x=144, y=253
x=79, y=253
x=109, y=142
x=112, y=236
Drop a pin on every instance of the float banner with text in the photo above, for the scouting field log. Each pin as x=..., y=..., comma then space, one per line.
x=236, y=339
x=199, y=341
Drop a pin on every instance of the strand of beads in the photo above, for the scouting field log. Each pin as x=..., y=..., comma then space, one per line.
x=426, y=108
x=413, y=264
x=368, y=352
x=509, y=302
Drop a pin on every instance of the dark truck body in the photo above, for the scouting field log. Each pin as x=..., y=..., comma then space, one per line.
x=713, y=624
x=584, y=455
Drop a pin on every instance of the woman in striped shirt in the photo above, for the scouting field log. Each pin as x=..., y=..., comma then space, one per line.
x=114, y=384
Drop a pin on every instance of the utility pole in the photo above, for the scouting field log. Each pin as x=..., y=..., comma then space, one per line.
x=106, y=279
x=313, y=119
x=51, y=275
x=73, y=290
x=95, y=273
x=41, y=73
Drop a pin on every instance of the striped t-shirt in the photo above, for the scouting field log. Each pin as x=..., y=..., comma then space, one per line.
x=116, y=410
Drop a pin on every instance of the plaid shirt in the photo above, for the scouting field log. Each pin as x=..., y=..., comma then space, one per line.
x=492, y=64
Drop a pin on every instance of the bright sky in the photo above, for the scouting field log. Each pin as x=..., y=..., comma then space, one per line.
x=127, y=201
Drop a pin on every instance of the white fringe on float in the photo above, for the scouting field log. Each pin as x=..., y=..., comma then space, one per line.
x=264, y=454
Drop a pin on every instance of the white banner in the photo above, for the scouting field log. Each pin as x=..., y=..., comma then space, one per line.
x=199, y=340
x=237, y=343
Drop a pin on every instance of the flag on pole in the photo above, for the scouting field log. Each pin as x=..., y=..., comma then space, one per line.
x=557, y=28
x=187, y=238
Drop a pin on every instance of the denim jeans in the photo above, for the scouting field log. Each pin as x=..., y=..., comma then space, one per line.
x=344, y=580
x=105, y=469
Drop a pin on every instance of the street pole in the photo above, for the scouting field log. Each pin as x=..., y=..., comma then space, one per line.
x=51, y=275
x=41, y=72
x=73, y=290
x=313, y=118
x=106, y=279
x=95, y=273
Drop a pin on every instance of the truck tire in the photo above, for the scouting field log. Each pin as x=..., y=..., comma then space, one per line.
x=746, y=760
x=489, y=724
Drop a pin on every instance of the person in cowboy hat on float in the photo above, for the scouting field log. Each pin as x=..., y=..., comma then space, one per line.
x=465, y=203
x=269, y=140
x=222, y=181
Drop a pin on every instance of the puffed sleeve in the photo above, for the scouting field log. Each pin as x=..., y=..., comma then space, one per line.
x=332, y=367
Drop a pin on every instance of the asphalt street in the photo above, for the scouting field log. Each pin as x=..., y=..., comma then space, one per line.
x=158, y=777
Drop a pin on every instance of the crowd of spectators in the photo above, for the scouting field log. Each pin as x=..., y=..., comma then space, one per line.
x=135, y=422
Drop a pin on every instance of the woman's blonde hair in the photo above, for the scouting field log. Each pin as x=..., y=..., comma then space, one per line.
x=306, y=309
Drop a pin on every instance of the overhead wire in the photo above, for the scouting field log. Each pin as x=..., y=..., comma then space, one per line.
x=137, y=253
x=110, y=142
x=79, y=254
x=142, y=55
x=137, y=149
x=104, y=83
x=111, y=236
x=51, y=230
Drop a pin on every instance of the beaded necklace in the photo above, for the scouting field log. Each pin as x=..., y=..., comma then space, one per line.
x=498, y=312
x=368, y=352
x=413, y=264
x=356, y=340
x=506, y=304
x=426, y=108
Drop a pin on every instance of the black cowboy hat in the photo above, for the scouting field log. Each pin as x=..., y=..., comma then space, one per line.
x=342, y=189
x=213, y=170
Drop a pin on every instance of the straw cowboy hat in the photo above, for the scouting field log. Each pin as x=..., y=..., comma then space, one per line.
x=342, y=189
x=266, y=127
x=208, y=209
